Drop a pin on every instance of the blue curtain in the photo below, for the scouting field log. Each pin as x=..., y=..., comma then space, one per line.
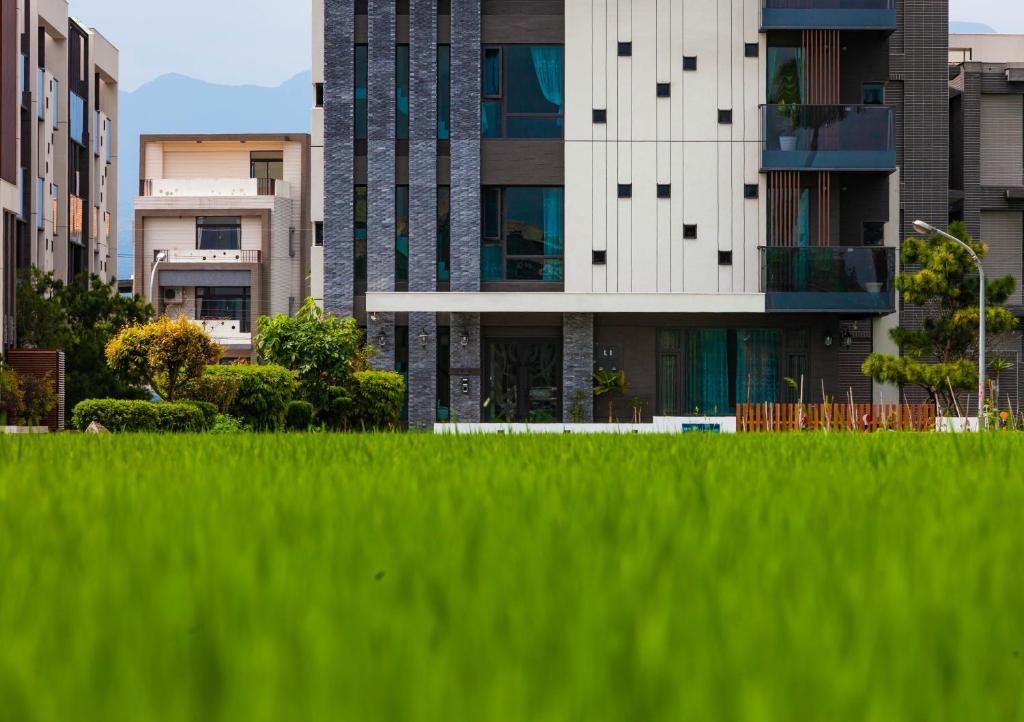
x=757, y=365
x=547, y=64
x=553, y=221
x=709, y=371
x=803, y=235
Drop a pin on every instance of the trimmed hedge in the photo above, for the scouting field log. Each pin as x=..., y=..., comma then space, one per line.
x=120, y=416
x=299, y=416
x=373, y=402
x=210, y=412
x=263, y=394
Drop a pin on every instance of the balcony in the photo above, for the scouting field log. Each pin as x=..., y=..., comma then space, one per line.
x=210, y=256
x=227, y=332
x=836, y=279
x=213, y=187
x=828, y=15
x=828, y=138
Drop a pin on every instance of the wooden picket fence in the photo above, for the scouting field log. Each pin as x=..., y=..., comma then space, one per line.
x=835, y=417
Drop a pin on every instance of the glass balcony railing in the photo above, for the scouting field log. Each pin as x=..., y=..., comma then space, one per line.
x=828, y=15
x=828, y=137
x=829, y=279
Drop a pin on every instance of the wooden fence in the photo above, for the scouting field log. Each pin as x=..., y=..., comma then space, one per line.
x=835, y=417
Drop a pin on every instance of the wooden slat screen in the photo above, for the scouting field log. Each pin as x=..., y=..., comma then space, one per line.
x=40, y=363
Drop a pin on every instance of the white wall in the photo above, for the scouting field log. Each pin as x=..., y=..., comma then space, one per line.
x=650, y=140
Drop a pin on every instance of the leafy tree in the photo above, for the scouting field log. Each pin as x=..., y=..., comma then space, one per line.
x=939, y=355
x=167, y=354
x=324, y=350
x=80, y=318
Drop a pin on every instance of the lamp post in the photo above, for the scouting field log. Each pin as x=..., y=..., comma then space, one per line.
x=926, y=229
x=160, y=258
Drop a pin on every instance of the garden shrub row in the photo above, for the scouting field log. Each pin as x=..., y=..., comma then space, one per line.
x=256, y=395
x=118, y=415
x=373, y=402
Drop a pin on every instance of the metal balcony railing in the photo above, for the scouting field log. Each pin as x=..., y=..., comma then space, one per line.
x=210, y=256
x=828, y=137
x=829, y=278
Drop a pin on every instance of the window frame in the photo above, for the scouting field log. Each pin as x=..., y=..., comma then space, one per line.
x=502, y=96
x=201, y=223
x=244, y=323
x=502, y=240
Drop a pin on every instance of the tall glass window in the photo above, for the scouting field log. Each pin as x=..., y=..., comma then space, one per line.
x=224, y=303
x=523, y=91
x=362, y=79
x=444, y=92
x=523, y=234
x=218, y=233
x=402, y=234
x=785, y=75
x=76, y=118
x=360, y=233
x=444, y=233
x=402, y=92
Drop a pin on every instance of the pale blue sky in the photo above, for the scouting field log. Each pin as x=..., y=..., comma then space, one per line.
x=267, y=41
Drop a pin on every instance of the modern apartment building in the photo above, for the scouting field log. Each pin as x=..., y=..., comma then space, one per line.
x=59, y=147
x=987, y=163
x=222, y=230
x=706, y=195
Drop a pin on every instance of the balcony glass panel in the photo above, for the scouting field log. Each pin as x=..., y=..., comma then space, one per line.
x=828, y=14
x=828, y=137
x=40, y=93
x=838, y=278
x=76, y=118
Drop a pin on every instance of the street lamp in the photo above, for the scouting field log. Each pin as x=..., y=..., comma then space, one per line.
x=926, y=229
x=160, y=258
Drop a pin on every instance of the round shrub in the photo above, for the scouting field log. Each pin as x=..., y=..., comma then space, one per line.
x=299, y=416
x=208, y=410
x=263, y=394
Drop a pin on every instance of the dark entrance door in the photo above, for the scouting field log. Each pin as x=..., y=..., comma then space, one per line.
x=524, y=380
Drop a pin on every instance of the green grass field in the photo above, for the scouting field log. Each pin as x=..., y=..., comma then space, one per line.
x=426, y=579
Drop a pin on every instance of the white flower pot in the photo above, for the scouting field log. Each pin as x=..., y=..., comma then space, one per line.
x=787, y=143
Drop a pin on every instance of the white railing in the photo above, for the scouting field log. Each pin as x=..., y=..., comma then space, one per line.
x=226, y=331
x=212, y=187
x=209, y=256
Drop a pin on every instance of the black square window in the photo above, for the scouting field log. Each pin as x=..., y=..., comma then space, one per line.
x=664, y=190
x=750, y=191
x=318, y=91
x=689, y=231
x=600, y=258
x=625, y=50
x=873, y=94
x=600, y=116
x=725, y=258
x=664, y=90
x=318, y=233
x=874, y=233
x=725, y=117
x=625, y=190
x=690, y=62
x=751, y=50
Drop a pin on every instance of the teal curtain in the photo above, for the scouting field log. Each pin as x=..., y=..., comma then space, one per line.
x=553, y=221
x=547, y=64
x=708, y=371
x=802, y=258
x=757, y=365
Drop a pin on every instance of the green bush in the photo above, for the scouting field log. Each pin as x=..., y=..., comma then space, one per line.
x=225, y=424
x=263, y=394
x=210, y=412
x=299, y=416
x=377, y=400
x=219, y=390
x=138, y=416
x=11, y=397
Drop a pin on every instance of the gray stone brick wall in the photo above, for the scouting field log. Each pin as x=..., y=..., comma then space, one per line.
x=339, y=80
x=380, y=333
x=578, y=364
x=466, y=357
x=465, y=145
x=422, y=371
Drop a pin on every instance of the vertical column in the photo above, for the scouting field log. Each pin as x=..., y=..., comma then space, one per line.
x=466, y=338
x=380, y=170
x=578, y=365
x=422, y=209
x=466, y=375
x=339, y=133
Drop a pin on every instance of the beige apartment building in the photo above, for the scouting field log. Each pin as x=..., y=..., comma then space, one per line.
x=59, y=112
x=222, y=230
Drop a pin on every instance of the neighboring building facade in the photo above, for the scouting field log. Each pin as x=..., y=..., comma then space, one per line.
x=62, y=215
x=222, y=230
x=987, y=166
x=707, y=197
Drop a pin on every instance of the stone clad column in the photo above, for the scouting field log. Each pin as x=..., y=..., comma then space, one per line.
x=380, y=209
x=339, y=134
x=578, y=364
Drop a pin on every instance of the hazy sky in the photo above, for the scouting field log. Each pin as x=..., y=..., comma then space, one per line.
x=224, y=41
x=267, y=41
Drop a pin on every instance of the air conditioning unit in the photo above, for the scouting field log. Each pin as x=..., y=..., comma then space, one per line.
x=174, y=294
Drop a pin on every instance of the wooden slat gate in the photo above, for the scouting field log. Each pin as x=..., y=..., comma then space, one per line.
x=40, y=363
x=835, y=417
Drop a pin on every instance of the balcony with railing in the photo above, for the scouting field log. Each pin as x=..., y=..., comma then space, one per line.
x=829, y=279
x=828, y=137
x=212, y=187
x=209, y=256
x=828, y=15
x=227, y=332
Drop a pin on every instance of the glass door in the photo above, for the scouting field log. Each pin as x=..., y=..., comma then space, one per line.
x=523, y=382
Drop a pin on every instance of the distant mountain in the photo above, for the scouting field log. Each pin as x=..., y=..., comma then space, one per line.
x=965, y=28
x=178, y=104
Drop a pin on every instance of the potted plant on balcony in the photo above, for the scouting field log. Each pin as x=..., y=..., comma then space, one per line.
x=786, y=92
